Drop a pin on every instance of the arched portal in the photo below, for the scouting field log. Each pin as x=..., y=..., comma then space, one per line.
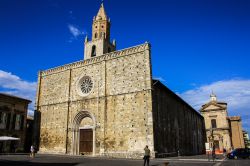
x=79, y=117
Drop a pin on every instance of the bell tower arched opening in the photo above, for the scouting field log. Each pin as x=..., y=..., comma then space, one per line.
x=93, y=51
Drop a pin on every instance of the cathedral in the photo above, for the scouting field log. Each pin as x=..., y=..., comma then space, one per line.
x=108, y=104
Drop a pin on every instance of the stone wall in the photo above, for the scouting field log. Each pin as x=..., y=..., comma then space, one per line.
x=120, y=102
x=177, y=126
x=236, y=132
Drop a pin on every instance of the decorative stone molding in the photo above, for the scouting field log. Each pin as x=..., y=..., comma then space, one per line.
x=108, y=56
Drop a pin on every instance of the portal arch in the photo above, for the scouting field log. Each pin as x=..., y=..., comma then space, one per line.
x=79, y=117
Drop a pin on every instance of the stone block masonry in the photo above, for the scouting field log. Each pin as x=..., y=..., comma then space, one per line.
x=120, y=104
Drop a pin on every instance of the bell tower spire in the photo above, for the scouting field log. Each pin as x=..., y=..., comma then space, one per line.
x=101, y=25
x=100, y=43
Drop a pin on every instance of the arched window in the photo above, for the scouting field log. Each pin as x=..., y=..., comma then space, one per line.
x=213, y=123
x=109, y=49
x=95, y=35
x=93, y=51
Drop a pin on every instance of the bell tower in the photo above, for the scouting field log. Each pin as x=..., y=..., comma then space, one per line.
x=213, y=97
x=100, y=43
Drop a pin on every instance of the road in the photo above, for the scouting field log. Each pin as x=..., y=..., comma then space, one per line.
x=239, y=162
x=65, y=160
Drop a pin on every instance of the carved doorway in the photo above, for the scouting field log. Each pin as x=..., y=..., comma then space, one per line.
x=83, y=138
x=86, y=141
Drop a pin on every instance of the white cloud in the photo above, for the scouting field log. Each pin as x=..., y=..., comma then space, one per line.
x=14, y=85
x=159, y=78
x=235, y=92
x=75, y=31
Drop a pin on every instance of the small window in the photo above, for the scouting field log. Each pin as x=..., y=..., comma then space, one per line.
x=109, y=49
x=213, y=123
x=95, y=35
x=8, y=121
x=21, y=122
x=13, y=121
x=93, y=51
x=18, y=122
x=3, y=119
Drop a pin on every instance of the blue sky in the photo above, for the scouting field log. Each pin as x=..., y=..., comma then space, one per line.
x=197, y=46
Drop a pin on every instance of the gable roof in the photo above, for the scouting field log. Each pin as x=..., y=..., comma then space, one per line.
x=220, y=105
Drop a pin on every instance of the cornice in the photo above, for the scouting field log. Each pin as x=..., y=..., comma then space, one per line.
x=218, y=129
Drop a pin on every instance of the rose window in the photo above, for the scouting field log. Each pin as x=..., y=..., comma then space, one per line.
x=85, y=85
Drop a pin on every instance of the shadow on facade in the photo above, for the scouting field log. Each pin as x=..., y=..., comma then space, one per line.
x=36, y=129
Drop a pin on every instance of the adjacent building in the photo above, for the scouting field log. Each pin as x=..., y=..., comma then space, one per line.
x=236, y=132
x=109, y=105
x=246, y=139
x=13, y=113
x=222, y=131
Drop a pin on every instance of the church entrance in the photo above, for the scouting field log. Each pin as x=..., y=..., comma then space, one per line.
x=86, y=141
x=83, y=134
x=217, y=145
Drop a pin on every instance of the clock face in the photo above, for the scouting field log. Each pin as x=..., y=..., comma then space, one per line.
x=85, y=86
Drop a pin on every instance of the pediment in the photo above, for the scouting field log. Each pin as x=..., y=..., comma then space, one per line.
x=213, y=106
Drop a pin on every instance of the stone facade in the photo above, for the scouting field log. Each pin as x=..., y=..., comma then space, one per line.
x=108, y=96
x=217, y=133
x=13, y=115
x=236, y=132
x=221, y=130
x=119, y=103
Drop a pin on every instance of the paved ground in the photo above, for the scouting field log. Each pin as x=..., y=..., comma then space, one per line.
x=243, y=162
x=65, y=160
